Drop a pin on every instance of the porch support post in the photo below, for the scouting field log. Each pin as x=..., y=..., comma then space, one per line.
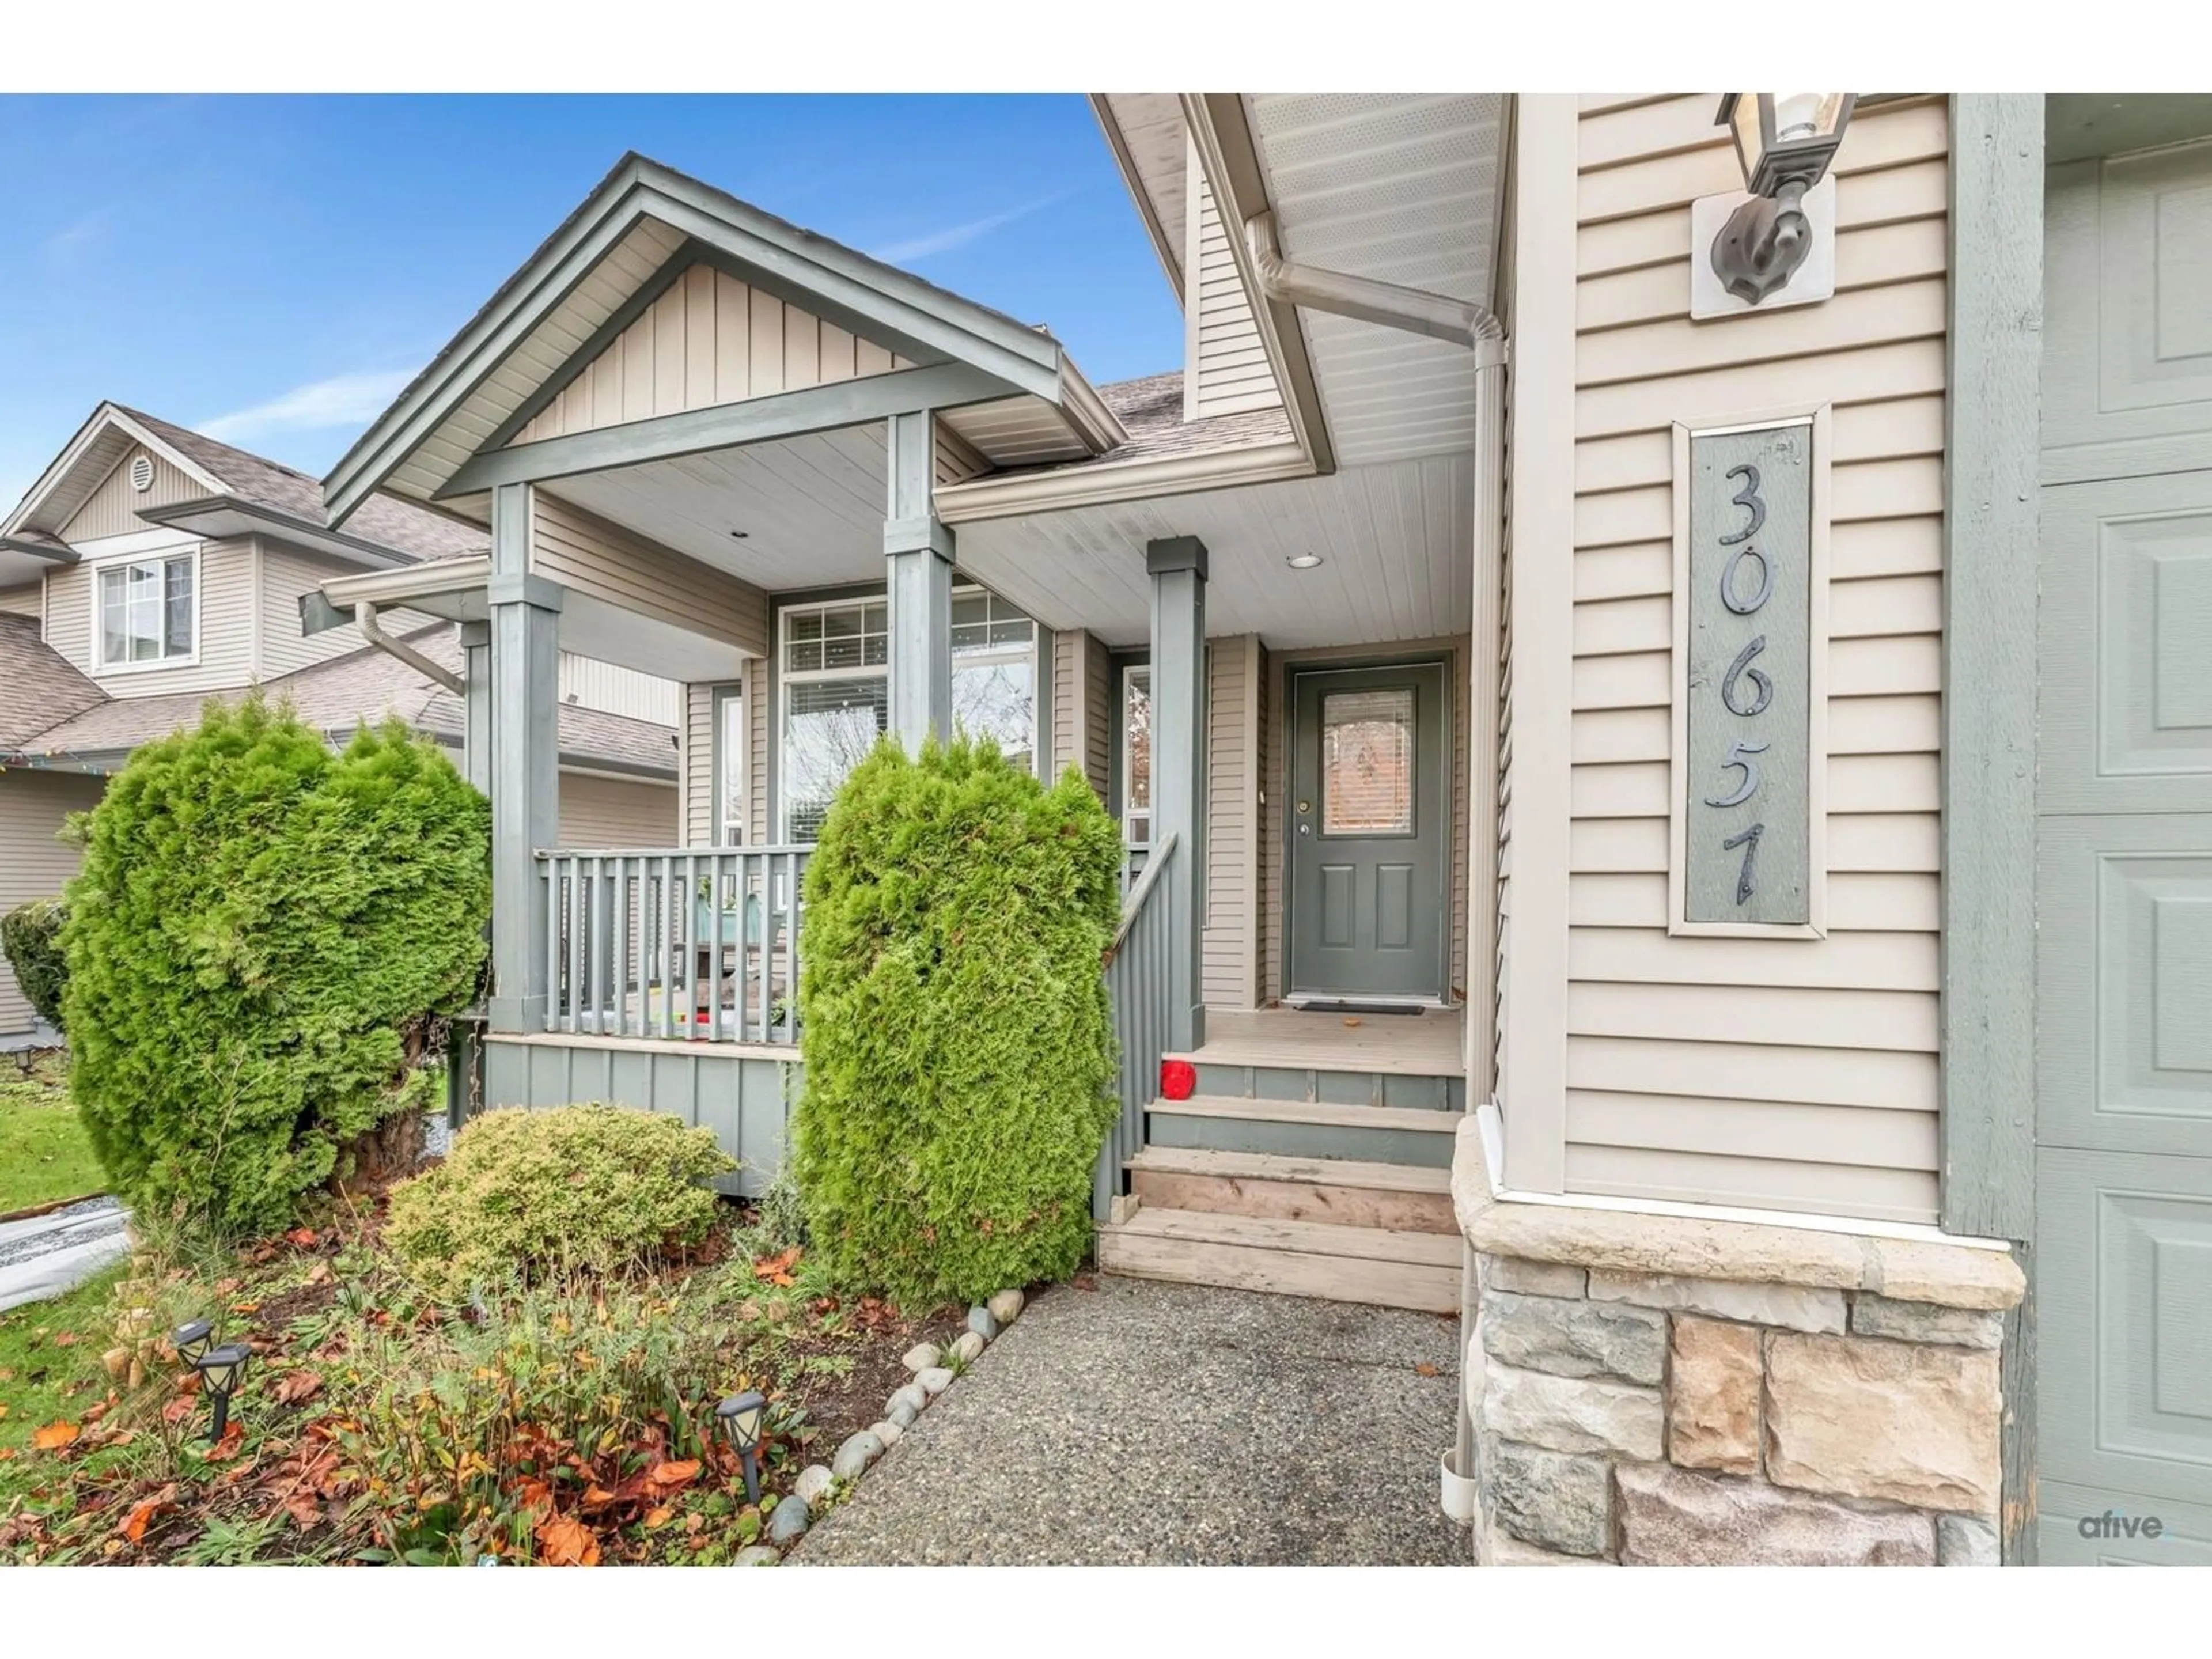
x=1177, y=566
x=918, y=549
x=476, y=705
x=525, y=764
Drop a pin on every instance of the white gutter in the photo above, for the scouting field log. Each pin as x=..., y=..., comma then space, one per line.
x=1460, y=322
x=364, y=618
x=1101, y=483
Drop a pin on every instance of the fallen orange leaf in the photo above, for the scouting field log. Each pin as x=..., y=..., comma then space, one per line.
x=303, y=1237
x=295, y=1386
x=232, y=1438
x=565, y=1542
x=656, y=1519
x=65, y=1339
x=141, y=1512
x=675, y=1474
x=53, y=1437
x=178, y=1409
x=1424, y=1369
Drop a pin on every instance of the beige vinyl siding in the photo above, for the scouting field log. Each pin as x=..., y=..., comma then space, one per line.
x=228, y=590
x=1229, y=940
x=1226, y=370
x=33, y=864
x=613, y=689
x=1769, y=1072
x=708, y=339
x=285, y=578
x=694, y=767
x=112, y=508
x=581, y=551
x=1083, y=707
x=598, y=811
x=29, y=600
x=1275, y=771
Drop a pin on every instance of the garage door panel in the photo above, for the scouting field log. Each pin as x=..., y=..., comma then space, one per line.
x=2125, y=1316
x=2123, y=947
x=2126, y=704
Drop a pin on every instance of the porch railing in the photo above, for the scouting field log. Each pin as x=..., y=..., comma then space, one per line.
x=694, y=942
x=1136, y=985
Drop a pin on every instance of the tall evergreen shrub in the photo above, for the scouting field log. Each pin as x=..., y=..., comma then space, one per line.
x=259, y=936
x=30, y=939
x=958, y=1041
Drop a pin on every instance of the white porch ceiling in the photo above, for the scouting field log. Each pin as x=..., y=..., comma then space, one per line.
x=1396, y=542
x=812, y=508
x=1404, y=188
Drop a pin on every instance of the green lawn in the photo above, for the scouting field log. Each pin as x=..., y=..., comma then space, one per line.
x=43, y=1151
x=50, y=1370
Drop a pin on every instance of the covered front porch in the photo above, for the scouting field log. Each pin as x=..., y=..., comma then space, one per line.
x=836, y=504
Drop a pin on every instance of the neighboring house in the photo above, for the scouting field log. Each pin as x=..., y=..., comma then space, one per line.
x=1499, y=619
x=150, y=568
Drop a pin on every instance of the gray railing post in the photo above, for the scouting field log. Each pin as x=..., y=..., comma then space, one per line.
x=1177, y=566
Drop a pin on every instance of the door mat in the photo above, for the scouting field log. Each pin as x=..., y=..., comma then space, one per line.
x=1358, y=1008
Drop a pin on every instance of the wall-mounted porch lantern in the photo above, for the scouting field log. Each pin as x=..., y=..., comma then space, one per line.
x=1784, y=142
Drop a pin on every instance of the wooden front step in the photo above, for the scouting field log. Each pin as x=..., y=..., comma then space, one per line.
x=1394, y=1197
x=1304, y=1129
x=1416, y=1270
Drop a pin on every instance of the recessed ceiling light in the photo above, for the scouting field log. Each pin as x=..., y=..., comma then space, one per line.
x=1303, y=560
x=741, y=534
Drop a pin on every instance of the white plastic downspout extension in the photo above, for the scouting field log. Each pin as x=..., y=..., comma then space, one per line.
x=364, y=618
x=1462, y=323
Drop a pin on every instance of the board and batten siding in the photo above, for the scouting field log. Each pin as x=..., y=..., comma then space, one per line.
x=112, y=507
x=29, y=600
x=1768, y=1072
x=598, y=811
x=583, y=551
x=1227, y=369
x=1274, y=771
x=613, y=689
x=707, y=339
x=228, y=597
x=33, y=864
x=1230, y=939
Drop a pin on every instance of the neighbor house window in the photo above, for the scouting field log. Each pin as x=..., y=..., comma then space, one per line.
x=147, y=611
x=730, y=743
x=835, y=691
x=1137, y=756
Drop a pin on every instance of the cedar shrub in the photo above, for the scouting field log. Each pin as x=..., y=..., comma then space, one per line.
x=31, y=934
x=957, y=1037
x=260, y=935
x=588, y=1188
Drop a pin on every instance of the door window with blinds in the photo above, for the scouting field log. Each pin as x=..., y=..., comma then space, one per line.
x=148, y=611
x=1367, y=762
x=835, y=691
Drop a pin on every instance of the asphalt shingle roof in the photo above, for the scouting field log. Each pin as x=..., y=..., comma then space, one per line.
x=335, y=697
x=412, y=532
x=39, y=686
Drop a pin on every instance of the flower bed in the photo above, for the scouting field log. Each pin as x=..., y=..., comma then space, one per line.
x=567, y=1423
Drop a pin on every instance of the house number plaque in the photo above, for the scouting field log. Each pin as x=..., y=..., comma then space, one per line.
x=1747, y=586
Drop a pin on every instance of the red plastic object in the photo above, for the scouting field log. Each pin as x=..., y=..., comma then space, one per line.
x=1178, y=1079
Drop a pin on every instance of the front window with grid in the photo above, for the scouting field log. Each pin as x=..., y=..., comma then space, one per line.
x=836, y=691
x=147, y=611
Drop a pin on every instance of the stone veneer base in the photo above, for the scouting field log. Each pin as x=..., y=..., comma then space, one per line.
x=1661, y=1389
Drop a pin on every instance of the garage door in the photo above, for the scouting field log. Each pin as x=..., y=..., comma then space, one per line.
x=2124, y=866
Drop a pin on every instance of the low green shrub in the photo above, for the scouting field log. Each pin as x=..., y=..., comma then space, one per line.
x=258, y=944
x=524, y=1193
x=30, y=935
x=956, y=1030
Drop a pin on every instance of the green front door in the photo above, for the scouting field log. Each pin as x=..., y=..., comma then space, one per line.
x=1368, y=821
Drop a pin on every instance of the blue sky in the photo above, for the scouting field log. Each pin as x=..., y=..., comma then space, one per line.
x=273, y=268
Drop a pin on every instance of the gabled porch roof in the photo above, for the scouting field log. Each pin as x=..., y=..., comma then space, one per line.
x=488, y=410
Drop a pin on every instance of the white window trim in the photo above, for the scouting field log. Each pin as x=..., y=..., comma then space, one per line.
x=102, y=668
x=778, y=711
x=721, y=701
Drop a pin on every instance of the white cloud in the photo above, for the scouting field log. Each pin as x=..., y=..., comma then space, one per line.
x=342, y=400
x=956, y=236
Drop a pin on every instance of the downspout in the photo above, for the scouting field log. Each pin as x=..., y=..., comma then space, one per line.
x=1461, y=322
x=364, y=618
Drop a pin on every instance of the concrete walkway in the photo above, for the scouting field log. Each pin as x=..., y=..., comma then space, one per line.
x=1142, y=1423
x=50, y=1253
